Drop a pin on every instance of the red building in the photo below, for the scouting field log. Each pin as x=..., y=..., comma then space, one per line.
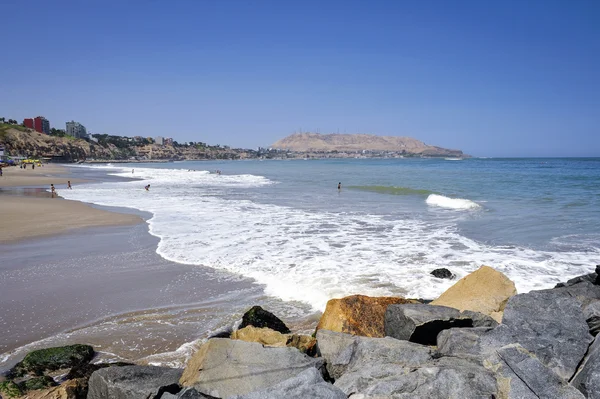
x=39, y=123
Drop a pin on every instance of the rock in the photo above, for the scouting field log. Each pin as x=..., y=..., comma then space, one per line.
x=71, y=389
x=549, y=325
x=9, y=389
x=304, y=343
x=358, y=315
x=441, y=378
x=87, y=369
x=133, y=382
x=343, y=351
x=39, y=361
x=224, y=367
x=307, y=384
x=461, y=342
x=592, y=317
x=187, y=393
x=587, y=379
x=485, y=290
x=37, y=383
x=593, y=278
x=422, y=323
x=521, y=375
x=480, y=319
x=266, y=336
x=442, y=273
x=258, y=317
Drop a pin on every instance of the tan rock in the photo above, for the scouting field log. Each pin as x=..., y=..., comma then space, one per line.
x=67, y=390
x=358, y=315
x=264, y=336
x=269, y=337
x=486, y=290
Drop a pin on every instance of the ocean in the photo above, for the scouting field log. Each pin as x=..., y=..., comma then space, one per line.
x=284, y=226
x=287, y=226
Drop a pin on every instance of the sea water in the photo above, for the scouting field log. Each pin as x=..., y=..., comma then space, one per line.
x=285, y=224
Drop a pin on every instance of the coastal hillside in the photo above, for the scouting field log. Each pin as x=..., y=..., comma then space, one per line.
x=306, y=142
x=21, y=141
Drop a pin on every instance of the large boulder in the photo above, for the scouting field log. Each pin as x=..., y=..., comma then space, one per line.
x=258, y=317
x=547, y=324
x=307, y=384
x=133, y=382
x=224, y=367
x=436, y=379
x=592, y=317
x=422, y=323
x=461, y=342
x=587, y=379
x=49, y=359
x=343, y=351
x=485, y=290
x=521, y=375
x=358, y=315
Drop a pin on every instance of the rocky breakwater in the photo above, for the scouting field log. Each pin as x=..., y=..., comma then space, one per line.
x=485, y=341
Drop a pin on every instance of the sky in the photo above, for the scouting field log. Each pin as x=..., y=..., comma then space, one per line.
x=491, y=78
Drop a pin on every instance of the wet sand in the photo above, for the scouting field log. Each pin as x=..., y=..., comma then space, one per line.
x=107, y=287
x=32, y=212
x=28, y=217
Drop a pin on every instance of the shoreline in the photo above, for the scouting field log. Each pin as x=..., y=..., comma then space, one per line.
x=28, y=211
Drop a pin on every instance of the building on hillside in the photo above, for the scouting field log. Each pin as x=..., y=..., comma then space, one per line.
x=39, y=124
x=76, y=129
x=159, y=140
x=168, y=141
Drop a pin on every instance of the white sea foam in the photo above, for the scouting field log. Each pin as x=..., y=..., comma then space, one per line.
x=315, y=256
x=450, y=203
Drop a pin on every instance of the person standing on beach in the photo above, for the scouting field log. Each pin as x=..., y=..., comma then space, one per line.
x=339, y=186
x=69, y=185
x=0, y=172
x=53, y=190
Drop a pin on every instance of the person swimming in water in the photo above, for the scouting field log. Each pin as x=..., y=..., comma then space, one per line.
x=339, y=185
x=147, y=187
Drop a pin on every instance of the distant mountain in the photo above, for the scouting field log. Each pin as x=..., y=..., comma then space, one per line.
x=312, y=142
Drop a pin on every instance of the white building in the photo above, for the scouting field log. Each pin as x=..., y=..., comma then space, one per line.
x=76, y=129
x=159, y=140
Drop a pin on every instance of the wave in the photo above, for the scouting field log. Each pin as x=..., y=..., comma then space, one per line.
x=451, y=203
x=392, y=190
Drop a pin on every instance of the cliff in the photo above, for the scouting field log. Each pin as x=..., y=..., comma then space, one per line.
x=20, y=141
x=306, y=142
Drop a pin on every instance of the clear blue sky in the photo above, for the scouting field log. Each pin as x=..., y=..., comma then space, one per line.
x=492, y=78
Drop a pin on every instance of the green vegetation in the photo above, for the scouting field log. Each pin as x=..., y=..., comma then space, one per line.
x=10, y=390
x=38, y=361
x=37, y=383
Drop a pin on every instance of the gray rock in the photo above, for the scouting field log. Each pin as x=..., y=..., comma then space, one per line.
x=224, y=367
x=132, y=382
x=442, y=378
x=442, y=273
x=187, y=393
x=584, y=291
x=549, y=325
x=592, y=317
x=307, y=384
x=344, y=351
x=479, y=319
x=587, y=379
x=422, y=323
x=461, y=342
x=521, y=375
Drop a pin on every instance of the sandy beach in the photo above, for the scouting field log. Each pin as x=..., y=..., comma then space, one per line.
x=27, y=217
x=40, y=176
